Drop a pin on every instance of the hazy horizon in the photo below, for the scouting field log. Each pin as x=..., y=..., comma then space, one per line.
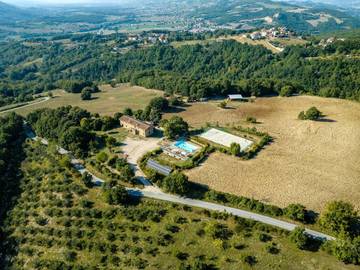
x=64, y=2
x=75, y=2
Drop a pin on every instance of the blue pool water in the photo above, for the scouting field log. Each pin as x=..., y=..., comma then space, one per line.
x=184, y=145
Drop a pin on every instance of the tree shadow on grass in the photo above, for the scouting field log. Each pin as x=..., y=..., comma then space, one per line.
x=326, y=120
x=314, y=244
x=175, y=110
x=311, y=217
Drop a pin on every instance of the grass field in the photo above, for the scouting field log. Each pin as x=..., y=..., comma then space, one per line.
x=107, y=102
x=309, y=162
x=53, y=227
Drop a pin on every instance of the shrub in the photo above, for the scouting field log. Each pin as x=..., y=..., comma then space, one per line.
x=102, y=157
x=86, y=203
x=296, y=212
x=218, y=231
x=223, y=104
x=339, y=217
x=264, y=237
x=311, y=114
x=299, y=238
x=272, y=248
x=176, y=183
x=86, y=94
x=250, y=260
x=70, y=256
x=116, y=195
x=175, y=127
x=287, y=91
x=182, y=256
x=235, y=149
x=346, y=250
x=87, y=178
x=251, y=119
x=41, y=221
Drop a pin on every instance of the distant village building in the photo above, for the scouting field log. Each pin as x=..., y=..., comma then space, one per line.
x=163, y=39
x=255, y=36
x=136, y=127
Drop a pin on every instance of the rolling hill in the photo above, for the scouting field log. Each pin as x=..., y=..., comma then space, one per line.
x=302, y=17
x=9, y=14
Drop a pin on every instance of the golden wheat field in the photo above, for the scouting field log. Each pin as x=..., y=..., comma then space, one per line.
x=309, y=162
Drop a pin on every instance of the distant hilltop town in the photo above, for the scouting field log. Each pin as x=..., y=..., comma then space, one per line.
x=275, y=32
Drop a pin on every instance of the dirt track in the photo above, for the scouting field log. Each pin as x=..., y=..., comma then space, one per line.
x=309, y=162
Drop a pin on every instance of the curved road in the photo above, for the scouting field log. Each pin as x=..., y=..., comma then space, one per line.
x=28, y=105
x=154, y=192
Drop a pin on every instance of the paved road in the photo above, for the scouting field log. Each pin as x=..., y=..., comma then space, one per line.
x=218, y=207
x=154, y=192
x=28, y=105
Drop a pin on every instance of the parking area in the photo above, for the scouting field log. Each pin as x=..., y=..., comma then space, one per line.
x=135, y=148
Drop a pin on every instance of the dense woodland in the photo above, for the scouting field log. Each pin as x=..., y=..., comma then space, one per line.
x=196, y=71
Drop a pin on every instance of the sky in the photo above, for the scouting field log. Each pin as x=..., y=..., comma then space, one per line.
x=63, y=2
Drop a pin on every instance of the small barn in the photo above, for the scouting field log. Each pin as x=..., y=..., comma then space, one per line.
x=237, y=97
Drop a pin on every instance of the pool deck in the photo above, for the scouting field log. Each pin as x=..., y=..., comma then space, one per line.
x=178, y=152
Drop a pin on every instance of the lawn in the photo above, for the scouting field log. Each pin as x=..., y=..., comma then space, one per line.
x=144, y=234
x=310, y=163
x=107, y=102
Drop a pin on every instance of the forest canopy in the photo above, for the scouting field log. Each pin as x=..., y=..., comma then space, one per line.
x=197, y=71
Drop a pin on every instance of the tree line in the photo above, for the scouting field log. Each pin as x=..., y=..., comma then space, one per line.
x=216, y=68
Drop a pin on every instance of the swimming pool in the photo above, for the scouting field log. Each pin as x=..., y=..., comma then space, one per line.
x=184, y=145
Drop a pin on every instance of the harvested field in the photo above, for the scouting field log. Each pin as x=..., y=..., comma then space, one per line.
x=309, y=162
x=107, y=102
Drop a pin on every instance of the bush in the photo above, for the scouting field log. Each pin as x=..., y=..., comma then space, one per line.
x=235, y=149
x=223, y=104
x=339, y=217
x=86, y=94
x=177, y=183
x=175, y=127
x=251, y=119
x=87, y=179
x=250, y=260
x=116, y=195
x=102, y=157
x=272, y=248
x=218, y=231
x=299, y=238
x=287, y=91
x=264, y=237
x=41, y=221
x=296, y=212
x=182, y=256
x=346, y=250
x=70, y=256
x=311, y=114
